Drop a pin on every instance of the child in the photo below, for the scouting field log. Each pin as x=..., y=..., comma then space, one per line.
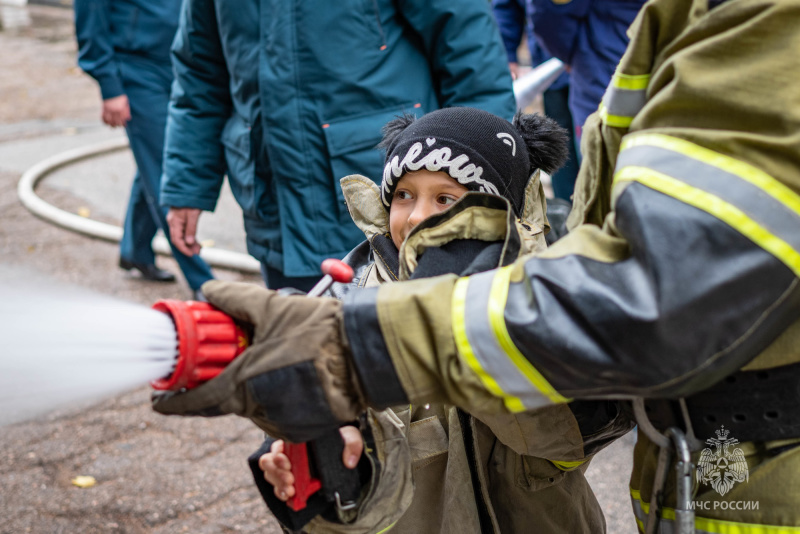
x=434, y=467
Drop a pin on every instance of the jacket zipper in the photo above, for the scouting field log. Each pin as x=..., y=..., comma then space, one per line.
x=380, y=26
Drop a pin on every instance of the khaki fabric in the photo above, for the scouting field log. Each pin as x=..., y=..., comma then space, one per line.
x=772, y=483
x=724, y=80
x=396, y=484
x=363, y=199
x=476, y=222
x=535, y=208
x=520, y=487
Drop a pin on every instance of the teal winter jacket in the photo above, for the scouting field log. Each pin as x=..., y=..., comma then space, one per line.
x=289, y=96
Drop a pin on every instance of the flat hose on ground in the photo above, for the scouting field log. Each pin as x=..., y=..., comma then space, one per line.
x=26, y=192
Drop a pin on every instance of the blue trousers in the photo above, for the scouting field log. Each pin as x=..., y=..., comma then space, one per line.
x=147, y=85
x=556, y=106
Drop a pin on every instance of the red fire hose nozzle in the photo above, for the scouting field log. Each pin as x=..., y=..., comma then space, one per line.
x=209, y=339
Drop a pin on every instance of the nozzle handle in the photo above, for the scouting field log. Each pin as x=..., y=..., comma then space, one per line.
x=334, y=271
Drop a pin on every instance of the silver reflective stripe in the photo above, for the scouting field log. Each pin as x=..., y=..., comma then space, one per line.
x=638, y=511
x=665, y=526
x=624, y=102
x=486, y=348
x=752, y=200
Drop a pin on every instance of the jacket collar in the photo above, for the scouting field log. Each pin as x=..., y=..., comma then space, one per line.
x=474, y=216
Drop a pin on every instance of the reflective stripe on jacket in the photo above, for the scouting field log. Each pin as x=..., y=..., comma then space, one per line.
x=693, y=274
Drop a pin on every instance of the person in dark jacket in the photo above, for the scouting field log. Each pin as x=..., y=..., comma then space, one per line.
x=513, y=22
x=289, y=97
x=124, y=45
x=588, y=35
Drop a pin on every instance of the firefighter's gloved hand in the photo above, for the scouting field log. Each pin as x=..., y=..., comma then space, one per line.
x=294, y=381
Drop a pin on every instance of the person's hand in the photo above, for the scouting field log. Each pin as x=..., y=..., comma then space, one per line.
x=183, y=229
x=514, y=68
x=278, y=469
x=297, y=363
x=116, y=111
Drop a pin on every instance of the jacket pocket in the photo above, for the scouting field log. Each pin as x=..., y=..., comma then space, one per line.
x=246, y=187
x=427, y=440
x=536, y=474
x=351, y=146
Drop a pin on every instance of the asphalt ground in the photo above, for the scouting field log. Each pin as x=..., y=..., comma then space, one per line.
x=153, y=474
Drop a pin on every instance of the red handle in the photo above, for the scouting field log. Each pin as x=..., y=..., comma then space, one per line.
x=338, y=270
x=208, y=340
x=304, y=484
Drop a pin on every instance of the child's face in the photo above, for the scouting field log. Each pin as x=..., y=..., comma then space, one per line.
x=419, y=195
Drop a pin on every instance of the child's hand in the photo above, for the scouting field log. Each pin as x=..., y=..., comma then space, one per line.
x=278, y=469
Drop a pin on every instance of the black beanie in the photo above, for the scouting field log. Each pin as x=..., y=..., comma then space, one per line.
x=481, y=151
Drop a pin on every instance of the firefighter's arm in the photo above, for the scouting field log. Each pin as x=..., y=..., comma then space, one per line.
x=693, y=274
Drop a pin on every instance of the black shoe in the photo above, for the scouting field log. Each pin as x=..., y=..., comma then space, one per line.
x=198, y=296
x=149, y=271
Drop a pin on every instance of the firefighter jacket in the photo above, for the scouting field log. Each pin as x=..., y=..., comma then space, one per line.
x=287, y=97
x=681, y=268
x=436, y=468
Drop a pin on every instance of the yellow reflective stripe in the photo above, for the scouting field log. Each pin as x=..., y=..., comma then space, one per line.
x=633, y=82
x=716, y=526
x=743, y=170
x=514, y=404
x=387, y=529
x=717, y=207
x=623, y=99
x=617, y=121
x=567, y=466
x=497, y=305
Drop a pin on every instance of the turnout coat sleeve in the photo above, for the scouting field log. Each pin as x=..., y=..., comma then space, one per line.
x=467, y=71
x=194, y=160
x=694, y=270
x=95, y=46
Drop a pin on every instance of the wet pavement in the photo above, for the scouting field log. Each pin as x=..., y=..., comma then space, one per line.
x=154, y=474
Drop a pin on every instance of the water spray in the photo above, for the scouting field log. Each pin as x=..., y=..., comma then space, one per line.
x=209, y=339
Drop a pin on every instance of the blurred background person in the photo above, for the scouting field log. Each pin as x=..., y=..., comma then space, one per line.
x=289, y=97
x=590, y=37
x=514, y=23
x=124, y=45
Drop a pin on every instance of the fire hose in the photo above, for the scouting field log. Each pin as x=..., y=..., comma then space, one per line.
x=209, y=339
